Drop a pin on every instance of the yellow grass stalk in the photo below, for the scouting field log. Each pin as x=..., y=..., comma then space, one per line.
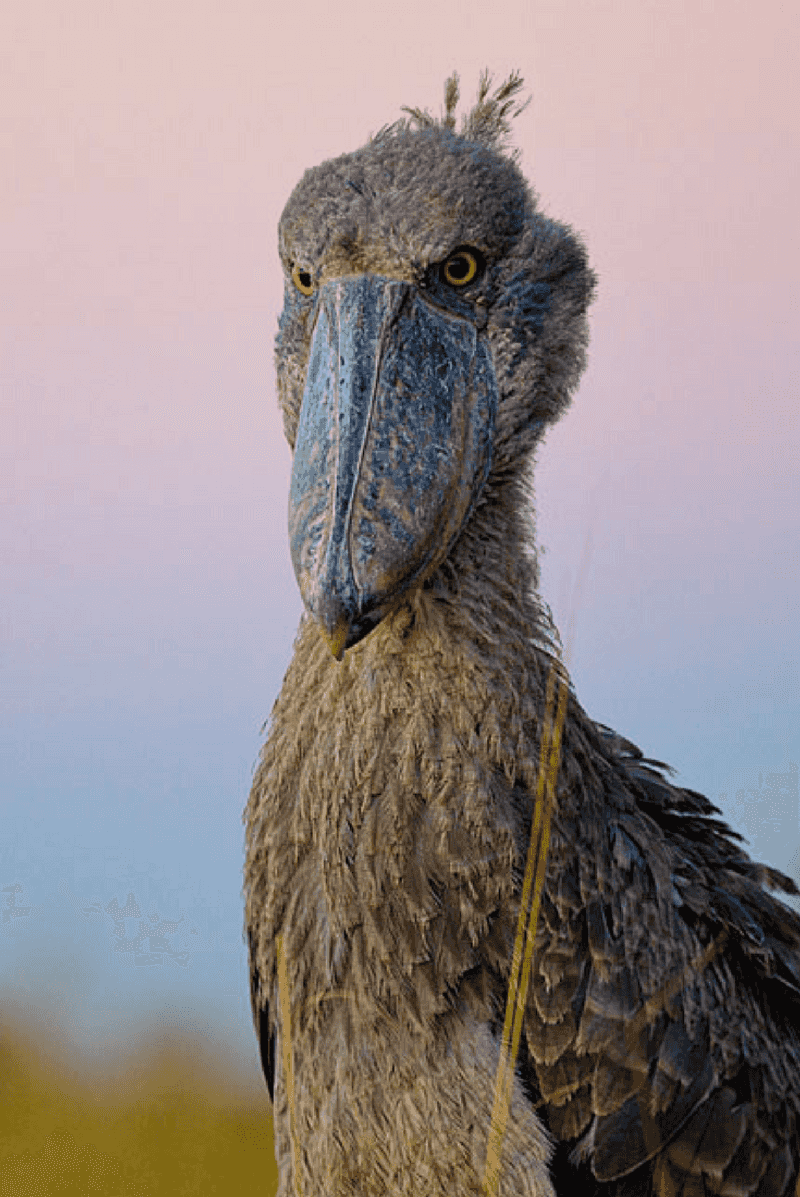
x=535, y=869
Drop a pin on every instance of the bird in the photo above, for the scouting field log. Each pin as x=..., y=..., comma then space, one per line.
x=434, y=327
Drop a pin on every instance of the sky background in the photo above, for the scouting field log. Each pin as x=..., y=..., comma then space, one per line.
x=147, y=602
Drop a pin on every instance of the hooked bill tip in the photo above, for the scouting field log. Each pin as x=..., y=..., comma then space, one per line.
x=336, y=638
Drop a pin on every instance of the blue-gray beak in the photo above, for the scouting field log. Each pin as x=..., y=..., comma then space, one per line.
x=393, y=447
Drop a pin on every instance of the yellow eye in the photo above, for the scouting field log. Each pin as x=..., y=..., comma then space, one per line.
x=461, y=267
x=303, y=280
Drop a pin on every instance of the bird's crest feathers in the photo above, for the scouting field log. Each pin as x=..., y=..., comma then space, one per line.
x=488, y=122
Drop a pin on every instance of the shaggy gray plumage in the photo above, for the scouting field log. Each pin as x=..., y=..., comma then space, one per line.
x=389, y=819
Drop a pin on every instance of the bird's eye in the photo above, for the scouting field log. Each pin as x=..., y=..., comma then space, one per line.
x=462, y=267
x=303, y=280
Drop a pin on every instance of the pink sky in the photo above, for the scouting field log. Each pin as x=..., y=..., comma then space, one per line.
x=146, y=152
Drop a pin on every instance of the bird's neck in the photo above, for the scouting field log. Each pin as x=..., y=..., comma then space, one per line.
x=407, y=769
x=453, y=679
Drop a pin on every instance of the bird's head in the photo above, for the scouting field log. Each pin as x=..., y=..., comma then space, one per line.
x=434, y=323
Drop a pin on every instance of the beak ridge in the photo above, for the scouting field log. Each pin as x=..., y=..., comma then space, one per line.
x=393, y=448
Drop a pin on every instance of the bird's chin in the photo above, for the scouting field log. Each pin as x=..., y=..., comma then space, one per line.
x=343, y=635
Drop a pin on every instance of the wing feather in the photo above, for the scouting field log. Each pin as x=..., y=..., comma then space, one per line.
x=663, y=1018
x=260, y=1008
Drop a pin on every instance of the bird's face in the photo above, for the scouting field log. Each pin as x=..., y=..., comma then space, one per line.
x=398, y=261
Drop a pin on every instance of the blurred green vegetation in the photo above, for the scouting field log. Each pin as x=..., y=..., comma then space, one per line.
x=172, y=1119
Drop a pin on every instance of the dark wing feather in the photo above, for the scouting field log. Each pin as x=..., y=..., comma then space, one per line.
x=260, y=1008
x=691, y=1087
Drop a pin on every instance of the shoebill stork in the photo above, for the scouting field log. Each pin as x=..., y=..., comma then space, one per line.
x=434, y=325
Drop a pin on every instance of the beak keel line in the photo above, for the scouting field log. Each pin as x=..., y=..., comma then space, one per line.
x=393, y=447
